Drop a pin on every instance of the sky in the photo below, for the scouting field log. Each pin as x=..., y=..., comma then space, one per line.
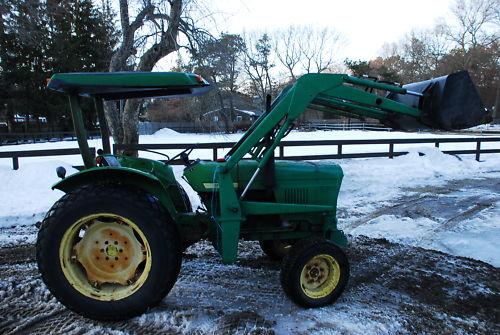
x=365, y=24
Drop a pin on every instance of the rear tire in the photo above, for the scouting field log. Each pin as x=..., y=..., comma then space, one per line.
x=314, y=273
x=101, y=277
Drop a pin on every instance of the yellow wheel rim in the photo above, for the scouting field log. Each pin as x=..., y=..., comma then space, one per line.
x=105, y=256
x=320, y=276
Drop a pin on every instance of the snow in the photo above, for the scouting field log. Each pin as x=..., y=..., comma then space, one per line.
x=369, y=185
x=28, y=190
x=486, y=127
x=164, y=132
x=248, y=112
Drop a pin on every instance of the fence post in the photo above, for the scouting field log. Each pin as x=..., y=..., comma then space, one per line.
x=436, y=144
x=282, y=151
x=214, y=153
x=478, y=150
x=391, y=150
x=339, y=150
x=15, y=162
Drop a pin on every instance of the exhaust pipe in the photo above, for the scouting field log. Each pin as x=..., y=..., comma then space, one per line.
x=447, y=103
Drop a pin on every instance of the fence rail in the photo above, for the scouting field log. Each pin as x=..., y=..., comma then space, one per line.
x=14, y=155
x=39, y=137
x=345, y=126
x=340, y=144
x=338, y=153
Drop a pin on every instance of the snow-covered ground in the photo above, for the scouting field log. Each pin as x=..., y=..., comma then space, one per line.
x=369, y=184
x=434, y=201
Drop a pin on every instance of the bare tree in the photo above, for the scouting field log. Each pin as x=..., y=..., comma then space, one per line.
x=477, y=24
x=304, y=49
x=257, y=65
x=476, y=34
x=318, y=47
x=145, y=39
x=287, y=49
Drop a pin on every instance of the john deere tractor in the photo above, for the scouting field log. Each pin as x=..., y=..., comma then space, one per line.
x=112, y=246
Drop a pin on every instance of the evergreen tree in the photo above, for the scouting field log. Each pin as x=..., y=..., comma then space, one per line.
x=40, y=38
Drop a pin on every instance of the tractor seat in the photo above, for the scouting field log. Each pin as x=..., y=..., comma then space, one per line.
x=124, y=85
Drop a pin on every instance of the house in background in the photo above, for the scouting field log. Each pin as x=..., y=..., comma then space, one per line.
x=224, y=118
x=22, y=119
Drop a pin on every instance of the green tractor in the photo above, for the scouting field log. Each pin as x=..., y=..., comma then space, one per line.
x=112, y=246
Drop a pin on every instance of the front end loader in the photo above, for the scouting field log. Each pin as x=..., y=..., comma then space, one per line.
x=112, y=246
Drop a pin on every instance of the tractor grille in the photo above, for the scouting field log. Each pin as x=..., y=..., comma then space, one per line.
x=297, y=195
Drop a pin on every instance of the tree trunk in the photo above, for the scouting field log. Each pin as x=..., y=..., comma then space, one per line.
x=130, y=124
x=113, y=119
x=496, y=113
x=124, y=124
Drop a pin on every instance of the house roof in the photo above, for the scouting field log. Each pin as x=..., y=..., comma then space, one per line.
x=237, y=110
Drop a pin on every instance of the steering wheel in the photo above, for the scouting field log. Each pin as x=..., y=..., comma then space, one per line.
x=183, y=156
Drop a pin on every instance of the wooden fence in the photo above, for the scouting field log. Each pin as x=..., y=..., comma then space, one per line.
x=337, y=154
x=340, y=145
x=24, y=138
x=14, y=155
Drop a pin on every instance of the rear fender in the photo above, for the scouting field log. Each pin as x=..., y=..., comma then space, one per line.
x=124, y=176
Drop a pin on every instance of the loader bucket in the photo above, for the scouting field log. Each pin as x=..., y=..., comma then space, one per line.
x=447, y=103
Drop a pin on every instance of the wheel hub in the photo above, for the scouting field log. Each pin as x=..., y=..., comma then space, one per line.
x=319, y=276
x=316, y=273
x=109, y=252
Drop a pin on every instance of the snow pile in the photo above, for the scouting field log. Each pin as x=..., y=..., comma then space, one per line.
x=380, y=179
x=165, y=132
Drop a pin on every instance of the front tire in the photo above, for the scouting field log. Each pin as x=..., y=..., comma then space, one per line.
x=108, y=252
x=314, y=273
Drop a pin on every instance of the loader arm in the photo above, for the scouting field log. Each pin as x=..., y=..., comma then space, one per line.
x=444, y=103
x=339, y=94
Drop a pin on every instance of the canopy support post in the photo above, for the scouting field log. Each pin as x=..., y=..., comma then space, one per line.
x=81, y=134
x=103, y=125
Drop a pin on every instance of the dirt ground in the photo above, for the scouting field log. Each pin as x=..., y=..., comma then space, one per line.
x=393, y=289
